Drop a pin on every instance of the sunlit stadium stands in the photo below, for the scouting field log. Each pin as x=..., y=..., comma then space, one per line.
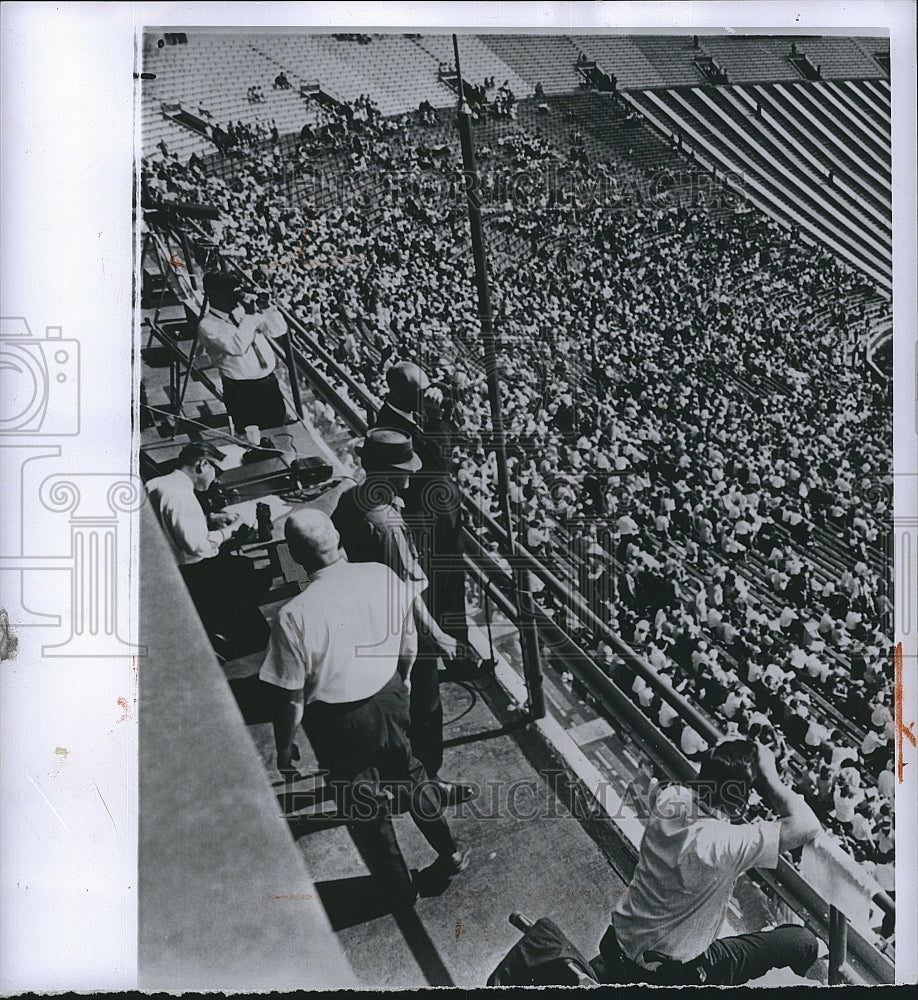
x=748, y=60
x=724, y=330
x=477, y=62
x=620, y=55
x=546, y=59
x=673, y=56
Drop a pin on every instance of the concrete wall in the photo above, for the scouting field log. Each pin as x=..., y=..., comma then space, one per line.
x=225, y=901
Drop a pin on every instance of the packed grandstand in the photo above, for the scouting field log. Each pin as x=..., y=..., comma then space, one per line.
x=690, y=251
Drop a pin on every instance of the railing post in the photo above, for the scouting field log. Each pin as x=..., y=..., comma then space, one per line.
x=528, y=629
x=292, y=373
x=838, y=945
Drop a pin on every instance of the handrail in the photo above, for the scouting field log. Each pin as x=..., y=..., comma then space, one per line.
x=698, y=721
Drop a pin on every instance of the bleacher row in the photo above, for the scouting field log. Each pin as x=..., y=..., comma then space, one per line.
x=213, y=71
x=816, y=155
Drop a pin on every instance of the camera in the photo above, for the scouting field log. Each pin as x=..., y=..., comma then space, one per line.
x=39, y=381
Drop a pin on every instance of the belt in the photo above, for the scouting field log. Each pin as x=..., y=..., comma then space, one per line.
x=248, y=381
x=335, y=708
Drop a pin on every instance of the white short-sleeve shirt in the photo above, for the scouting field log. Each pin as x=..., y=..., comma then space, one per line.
x=678, y=898
x=341, y=638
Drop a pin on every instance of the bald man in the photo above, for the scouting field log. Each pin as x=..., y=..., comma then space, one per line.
x=341, y=650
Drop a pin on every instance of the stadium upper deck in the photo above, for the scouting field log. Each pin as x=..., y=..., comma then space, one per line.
x=796, y=282
x=830, y=139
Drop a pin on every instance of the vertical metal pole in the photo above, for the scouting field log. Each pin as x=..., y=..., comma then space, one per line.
x=529, y=638
x=838, y=945
x=291, y=371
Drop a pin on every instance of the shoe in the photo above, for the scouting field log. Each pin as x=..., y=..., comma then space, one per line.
x=434, y=880
x=449, y=865
x=451, y=793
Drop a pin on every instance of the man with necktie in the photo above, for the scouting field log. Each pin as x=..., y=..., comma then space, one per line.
x=235, y=338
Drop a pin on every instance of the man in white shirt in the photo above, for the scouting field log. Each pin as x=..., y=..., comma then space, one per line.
x=225, y=589
x=342, y=664
x=235, y=340
x=666, y=924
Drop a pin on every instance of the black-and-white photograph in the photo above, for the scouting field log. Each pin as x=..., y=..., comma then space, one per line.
x=516, y=417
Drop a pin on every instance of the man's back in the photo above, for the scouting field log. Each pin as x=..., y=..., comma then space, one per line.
x=341, y=637
x=372, y=529
x=689, y=862
x=183, y=520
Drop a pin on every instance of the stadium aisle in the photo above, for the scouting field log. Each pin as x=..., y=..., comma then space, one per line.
x=540, y=867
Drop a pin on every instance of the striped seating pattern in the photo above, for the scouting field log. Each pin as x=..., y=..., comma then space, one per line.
x=807, y=129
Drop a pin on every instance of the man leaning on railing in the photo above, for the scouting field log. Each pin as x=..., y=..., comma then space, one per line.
x=665, y=927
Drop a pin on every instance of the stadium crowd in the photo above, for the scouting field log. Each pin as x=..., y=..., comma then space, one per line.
x=686, y=445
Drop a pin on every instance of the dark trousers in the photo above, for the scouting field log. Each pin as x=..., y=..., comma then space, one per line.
x=226, y=590
x=728, y=962
x=254, y=401
x=365, y=749
x=426, y=714
x=433, y=513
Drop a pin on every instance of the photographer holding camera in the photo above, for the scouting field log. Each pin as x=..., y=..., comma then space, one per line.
x=697, y=842
x=233, y=331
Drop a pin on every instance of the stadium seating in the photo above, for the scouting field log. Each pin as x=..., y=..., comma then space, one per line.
x=477, y=62
x=547, y=59
x=747, y=60
x=769, y=157
x=620, y=55
x=673, y=56
x=838, y=58
x=195, y=76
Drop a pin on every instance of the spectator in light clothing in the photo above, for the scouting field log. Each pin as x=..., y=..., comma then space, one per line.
x=665, y=927
x=353, y=705
x=692, y=743
x=235, y=340
x=226, y=589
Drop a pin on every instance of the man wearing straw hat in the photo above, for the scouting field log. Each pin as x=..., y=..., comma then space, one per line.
x=372, y=528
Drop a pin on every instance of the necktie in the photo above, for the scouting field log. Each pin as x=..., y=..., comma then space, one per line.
x=258, y=354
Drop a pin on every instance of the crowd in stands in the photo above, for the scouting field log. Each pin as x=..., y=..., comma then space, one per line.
x=243, y=137
x=486, y=97
x=685, y=443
